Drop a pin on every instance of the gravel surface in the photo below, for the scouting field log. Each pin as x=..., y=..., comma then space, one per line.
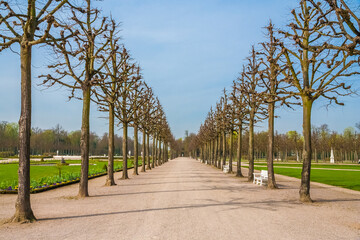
x=185, y=199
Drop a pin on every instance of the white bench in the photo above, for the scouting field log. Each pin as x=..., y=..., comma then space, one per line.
x=261, y=178
x=226, y=168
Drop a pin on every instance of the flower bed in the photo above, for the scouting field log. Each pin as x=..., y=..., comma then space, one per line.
x=49, y=183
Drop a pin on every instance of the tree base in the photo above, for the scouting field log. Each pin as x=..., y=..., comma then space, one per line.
x=148, y=168
x=82, y=195
x=21, y=218
x=239, y=175
x=110, y=182
x=305, y=198
x=272, y=186
x=123, y=178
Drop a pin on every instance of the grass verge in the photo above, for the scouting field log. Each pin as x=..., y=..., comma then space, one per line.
x=340, y=178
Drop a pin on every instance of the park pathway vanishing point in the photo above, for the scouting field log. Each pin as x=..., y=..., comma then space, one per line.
x=185, y=199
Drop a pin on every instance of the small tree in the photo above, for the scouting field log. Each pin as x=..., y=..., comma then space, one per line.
x=126, y=106
x=139, y=97
x=145, y=121
x=240, y=113
x=219, y=129
x=107, y=92
x=273, y=80
x=248, y=84
x=81, y=58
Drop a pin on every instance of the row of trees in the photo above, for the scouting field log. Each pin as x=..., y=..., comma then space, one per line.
x=289, y=146
x=314, y=57
x=89, y=60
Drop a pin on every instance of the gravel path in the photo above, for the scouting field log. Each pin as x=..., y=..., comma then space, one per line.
x=185, y=199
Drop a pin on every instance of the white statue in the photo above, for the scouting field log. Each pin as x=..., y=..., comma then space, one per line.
x=332, y=159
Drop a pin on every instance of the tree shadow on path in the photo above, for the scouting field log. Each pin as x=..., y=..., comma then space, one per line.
x=152, y=192
x=262, y=205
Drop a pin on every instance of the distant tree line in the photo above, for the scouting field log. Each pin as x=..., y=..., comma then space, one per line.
x=56, y=140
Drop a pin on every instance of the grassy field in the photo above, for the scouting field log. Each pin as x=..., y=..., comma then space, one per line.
x=340, y=178
x=51, y=174
x=315, y=165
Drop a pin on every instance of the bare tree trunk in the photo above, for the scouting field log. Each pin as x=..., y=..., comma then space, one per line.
x=168, y=151
x=209, y=152
x=204, y=152
x=224, y=148
x=219, y=150
x=215, y=152
x=231, y=151
x=125, y=150
x=136, y=155
x=153, y=152
x=143, y=152
x=251, y=149
x=165, y=152
x=238, y=170
x=84, y=143
x=270, y=154
x=212, y=151
x=110, y=169
x=156, y=152
x=160, y=161
x=148, y=165
x=305, y=174
x=23, y=211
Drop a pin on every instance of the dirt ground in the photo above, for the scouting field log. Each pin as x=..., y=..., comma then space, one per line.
x=185, y=199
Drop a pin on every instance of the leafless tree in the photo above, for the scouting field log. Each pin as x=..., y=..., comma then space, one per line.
x=273, y=80
x=138, y=99
x=219, y=129
x=27, y=25
x=127, y=104
x=341, y=22
x=145, y=122
x=108, y=92
x=81, y=58
x=316, y=71
x=239, y=119
x=248, y=85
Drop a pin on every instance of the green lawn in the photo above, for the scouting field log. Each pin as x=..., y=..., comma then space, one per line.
x=50, y=174
x=315, y=165
x=345, y=179
x=9, y=171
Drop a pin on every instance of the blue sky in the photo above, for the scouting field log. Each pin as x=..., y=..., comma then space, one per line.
x=188, y=50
